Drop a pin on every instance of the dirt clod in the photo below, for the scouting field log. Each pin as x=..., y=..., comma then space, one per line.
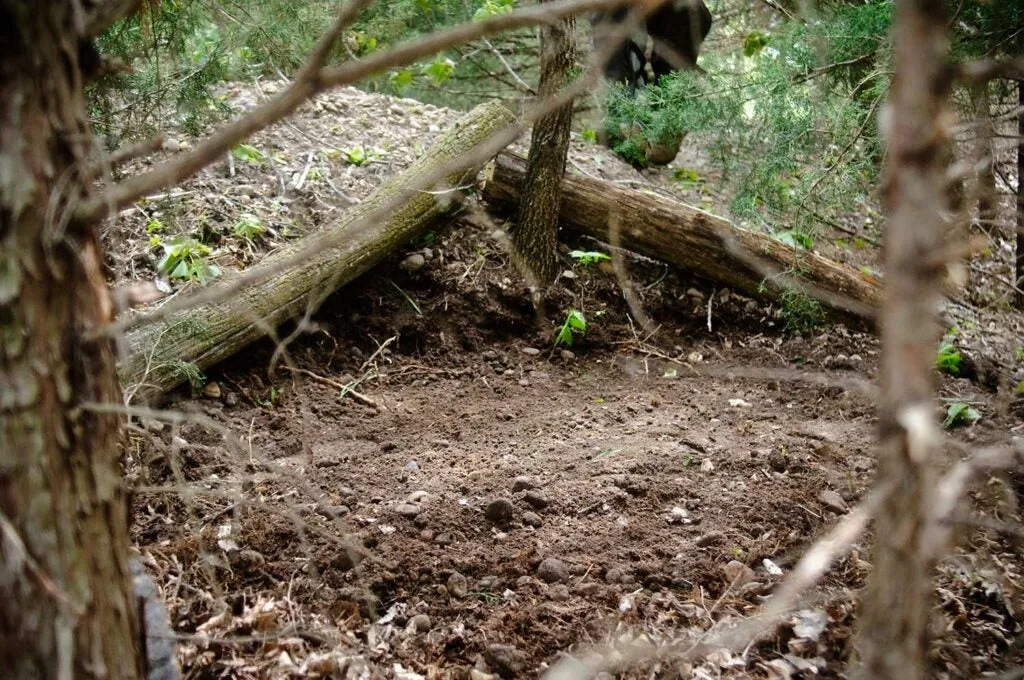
x=499, y=511
x=552, y=570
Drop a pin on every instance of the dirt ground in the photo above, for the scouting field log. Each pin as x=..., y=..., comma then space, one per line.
x=484, y=503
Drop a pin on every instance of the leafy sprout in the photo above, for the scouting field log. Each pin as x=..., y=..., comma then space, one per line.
x=588, y=257
x=249, y=228
x=949, y=360
x=574, y=323
x=959, y=414
x=185, y=259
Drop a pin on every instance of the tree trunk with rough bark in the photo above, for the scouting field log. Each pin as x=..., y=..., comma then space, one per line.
x=536, y=233
x=204, y=335
x=691, y=239
x=893, y=637
x=66, y=603
x=1019, y=259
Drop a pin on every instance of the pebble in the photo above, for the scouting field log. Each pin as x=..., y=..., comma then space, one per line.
x=532, y=519
x=443, y=539
x=458, y=586
x=559, y=592
x=332, y=511
x=508, y=661
x=419, y=624
x=567, y=355
x=833, y=501
x=552, y=570
x=499, y=511
x=410, y=510
x=427, y=535
x=531, y=351
x=738, y=574
x=412, y=466
x=523, y=483
x=421, y=521
x=537, y=499
x=413, y=263
x=231, y=399
x=212, y=390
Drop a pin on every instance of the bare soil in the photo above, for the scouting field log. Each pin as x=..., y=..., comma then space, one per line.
x=491, y=502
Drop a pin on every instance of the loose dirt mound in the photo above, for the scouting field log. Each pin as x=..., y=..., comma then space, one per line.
x=493, y=502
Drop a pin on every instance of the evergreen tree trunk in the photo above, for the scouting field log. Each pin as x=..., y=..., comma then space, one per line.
x=897, y=604
x=536, y=233
x=66, y=603
x=1019, y=260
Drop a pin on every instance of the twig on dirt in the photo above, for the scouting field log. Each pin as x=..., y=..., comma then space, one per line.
x=346, y=390
x=137, y=150
x=380, y=350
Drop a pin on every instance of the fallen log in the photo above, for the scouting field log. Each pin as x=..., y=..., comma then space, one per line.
x=165, y=354
x=692, y=239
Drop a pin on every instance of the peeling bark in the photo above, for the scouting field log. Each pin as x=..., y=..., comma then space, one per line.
x=66, y=603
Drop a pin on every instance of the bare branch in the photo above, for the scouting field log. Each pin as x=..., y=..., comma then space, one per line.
x=979, y=72
x=313, y=80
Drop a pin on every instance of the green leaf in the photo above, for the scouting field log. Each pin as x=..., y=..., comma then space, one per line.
x=586, y=257
x=754, y=43
x=960, y=414
x=948, y=360
x=402, y=79
x=590, y=135
x=439, y=70
x=249, y=154
x=577, y=321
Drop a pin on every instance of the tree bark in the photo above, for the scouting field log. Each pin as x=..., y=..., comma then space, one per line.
x=66, y=603
x=897, y=604
x=1019, y=253
x=536, y=233
x=689, y=238
x=204, y=335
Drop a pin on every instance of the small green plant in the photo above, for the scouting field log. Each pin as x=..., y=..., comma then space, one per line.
x=360, y=155
x=401, y=79
x=588, y=257
x=796, y=239
x=249, y=228
x=439, y=70
x=185, y=259
x=948, y=359
x=686, y=177
x=273, y=396
x=958, y=414
x=800, y=311
x=574, y=323
x=249, y=154
x=154, y=226
x=1019, y=354
x=589, y=134
x=187, y=372
x=754, y=43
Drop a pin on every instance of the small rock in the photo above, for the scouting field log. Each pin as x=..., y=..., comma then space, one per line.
x=413, y=263
x=559, y=592
x=613, y=575
x=426, y=535
x=532, y=519
x=332, y=511
x=499, y=511
x=537, y=499
x=458, y=586
x=778, y=461
x=531, y=351
x=421, y=521
x=412, y=466
x=508, y=661
x=523, y=581
x=710, y=538
x=408, y=510
x=443, y=539
x=212, y=390
x=738, y=574
x=833, y=501
x=567, y=355
x=552, y=570
x=419, y=624
x=248, y=560
x=523, y=483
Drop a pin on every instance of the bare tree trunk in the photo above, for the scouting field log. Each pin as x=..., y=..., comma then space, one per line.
x=66, y=603
x=893, y=635
x=536, y=233
x=987, y=199
x=1019, y=259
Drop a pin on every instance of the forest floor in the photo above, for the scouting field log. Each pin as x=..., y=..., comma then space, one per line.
x=493, y=502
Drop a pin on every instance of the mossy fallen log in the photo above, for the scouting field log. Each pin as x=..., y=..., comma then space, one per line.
x=162, y=355
x=692, y=239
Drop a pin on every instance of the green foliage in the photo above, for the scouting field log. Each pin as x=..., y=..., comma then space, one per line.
x=360, y=155
x=187, y=372
x=439, y=70
x=493, y=8
x=1019, y=354
x=185, y=259
x=588, y=257
x=949, y=360
x=249, y=154
x=801, y=312
x=959, y=414
x=589, y=134
x=788, y=118
x=796, y=239
x=249, y=228
x=574, y=323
